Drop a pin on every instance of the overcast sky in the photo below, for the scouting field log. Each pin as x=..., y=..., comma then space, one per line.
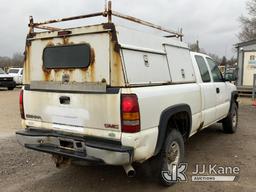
x=214, y=23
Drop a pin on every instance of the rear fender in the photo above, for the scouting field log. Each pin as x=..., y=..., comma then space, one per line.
x=164, y=119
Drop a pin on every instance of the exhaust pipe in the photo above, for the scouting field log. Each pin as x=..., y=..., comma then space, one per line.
x=129, y=170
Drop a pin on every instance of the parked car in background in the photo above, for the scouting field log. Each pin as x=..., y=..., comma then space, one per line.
x=231, y=74
x=17, y=74
x=6, y=80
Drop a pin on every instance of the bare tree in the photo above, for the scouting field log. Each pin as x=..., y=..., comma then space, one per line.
x=220, y=61
x=16, y=61
x=195, y=47
x=249, y=23
x=215, y=57
x=5, y=62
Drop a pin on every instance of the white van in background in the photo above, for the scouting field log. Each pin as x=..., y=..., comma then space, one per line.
x=17, y=74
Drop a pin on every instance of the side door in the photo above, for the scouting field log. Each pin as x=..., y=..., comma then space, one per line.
x=222, y=102
x=208, y=92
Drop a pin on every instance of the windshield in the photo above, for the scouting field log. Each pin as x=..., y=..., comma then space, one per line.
x=14, y=71
x=2, y=71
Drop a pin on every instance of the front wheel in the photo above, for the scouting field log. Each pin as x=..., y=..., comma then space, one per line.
x=229, y=124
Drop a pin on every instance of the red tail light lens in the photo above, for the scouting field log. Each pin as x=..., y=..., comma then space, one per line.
x=22, y=114
x=130, y=113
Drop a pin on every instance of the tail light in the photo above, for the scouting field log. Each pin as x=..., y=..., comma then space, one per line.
x=22, y=114
x=130, y=113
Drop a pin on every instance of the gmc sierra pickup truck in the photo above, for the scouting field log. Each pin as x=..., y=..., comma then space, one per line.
x=112, y=95
x=6, y=80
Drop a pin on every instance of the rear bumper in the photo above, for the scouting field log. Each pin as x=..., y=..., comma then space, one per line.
x=7, y=84
x=76, y=147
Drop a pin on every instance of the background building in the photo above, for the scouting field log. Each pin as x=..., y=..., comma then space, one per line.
x=246, y=57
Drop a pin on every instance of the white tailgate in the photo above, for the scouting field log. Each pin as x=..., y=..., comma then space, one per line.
x=85, y=112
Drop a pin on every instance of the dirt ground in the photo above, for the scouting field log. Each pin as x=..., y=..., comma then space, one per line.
x=26, y=170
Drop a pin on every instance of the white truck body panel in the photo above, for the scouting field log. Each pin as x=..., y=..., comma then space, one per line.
x=149, y=63
x=180, y=64
x=79, y=116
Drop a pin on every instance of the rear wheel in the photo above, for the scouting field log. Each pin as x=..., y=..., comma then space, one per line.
x=171, y=155
x=229, y=124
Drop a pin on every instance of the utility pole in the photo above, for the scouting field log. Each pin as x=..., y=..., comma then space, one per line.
x=197, y=46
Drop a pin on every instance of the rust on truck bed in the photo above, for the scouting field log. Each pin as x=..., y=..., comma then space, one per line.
x=86, y=73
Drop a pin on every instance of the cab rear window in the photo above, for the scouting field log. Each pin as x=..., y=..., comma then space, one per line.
x=68, y=56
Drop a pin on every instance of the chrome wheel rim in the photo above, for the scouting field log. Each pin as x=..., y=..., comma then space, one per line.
x=173, y=156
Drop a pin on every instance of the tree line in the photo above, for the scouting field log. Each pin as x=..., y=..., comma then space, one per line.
x=247, y=33
x=248, y=24
x=15, y=61
x=221, y=61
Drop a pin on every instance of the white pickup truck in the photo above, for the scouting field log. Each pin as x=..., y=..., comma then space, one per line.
x=111, y=95
x=6, y=80
x=17, y=74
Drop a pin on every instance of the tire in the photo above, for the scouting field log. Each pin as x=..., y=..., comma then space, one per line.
x=174, y=143
x=230, y=123
x=11, y=88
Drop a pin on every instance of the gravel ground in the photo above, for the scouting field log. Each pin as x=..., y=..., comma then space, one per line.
x=26, y=170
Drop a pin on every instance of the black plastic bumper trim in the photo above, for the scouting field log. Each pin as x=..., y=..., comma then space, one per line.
x=62, y=152
x=7, y=84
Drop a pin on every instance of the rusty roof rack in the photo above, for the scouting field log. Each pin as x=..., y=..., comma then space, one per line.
x=108, y=12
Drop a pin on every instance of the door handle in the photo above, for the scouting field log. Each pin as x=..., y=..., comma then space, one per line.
x=64, y=100
x=217, y=90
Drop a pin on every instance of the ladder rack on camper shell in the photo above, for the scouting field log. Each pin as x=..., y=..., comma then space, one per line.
x=108, y=12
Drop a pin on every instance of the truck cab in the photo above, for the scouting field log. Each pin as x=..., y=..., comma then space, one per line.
x=216, y=91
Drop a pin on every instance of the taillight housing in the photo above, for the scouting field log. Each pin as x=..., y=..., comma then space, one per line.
x=130, y=113
x=22, y=114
